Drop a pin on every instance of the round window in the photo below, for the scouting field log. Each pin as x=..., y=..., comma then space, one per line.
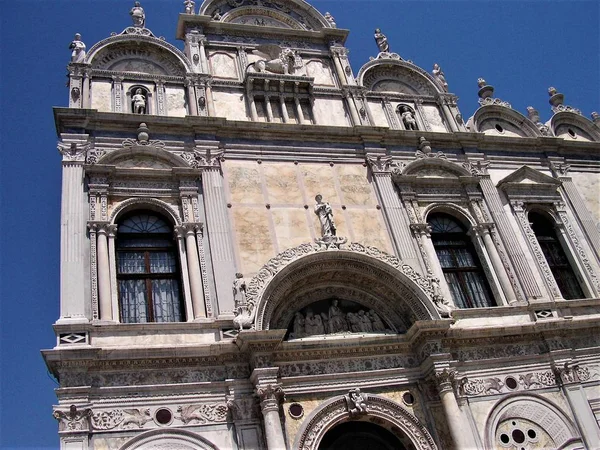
x=296, y=410
x=163, y=416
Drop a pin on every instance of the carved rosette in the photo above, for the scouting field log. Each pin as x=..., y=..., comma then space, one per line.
x=73, y=420
x=270, y=395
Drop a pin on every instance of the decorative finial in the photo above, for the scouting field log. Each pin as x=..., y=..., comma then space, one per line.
x=189, y=6
x=138, y=16
x=556, y=98
x=533, y=114
x=485, y=90
x=596, y=118
x=142, y=131
x=481, y=82
x=438, y=73
x=381, y=41
x=330, y=19
x=551, y=91
x=77, y=48
x=424, y=145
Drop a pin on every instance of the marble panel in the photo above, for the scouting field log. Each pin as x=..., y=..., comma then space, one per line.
x=588, y=185
x=253, y=235
x=223, y=65
x=434, y=118
x=319, y=179
x=245, y=183
x=231, y=105
x=291, y=227
x=320, y=70
x=175, y=101
x=355, y=187
x=102, y=95
x=282, y=184
x=331, y=111
x=497, y=175
x=378, y=114
x=369, y=228
x=108, y=443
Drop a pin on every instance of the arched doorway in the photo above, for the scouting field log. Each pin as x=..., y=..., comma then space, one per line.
x=361, y=436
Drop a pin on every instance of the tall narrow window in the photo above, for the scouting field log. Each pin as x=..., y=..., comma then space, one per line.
x=147, y=270
x=459, y=261
x=555, y=256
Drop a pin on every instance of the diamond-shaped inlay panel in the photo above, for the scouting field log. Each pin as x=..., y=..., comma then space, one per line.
x=73, y=338
x=544, y=314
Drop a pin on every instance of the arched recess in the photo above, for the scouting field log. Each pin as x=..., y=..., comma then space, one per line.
x=335, y=411
x=502, y=121
x=145, y=203
x=146, y=156
x=364, y=275
x=171, y=439
x=391, y=75
x=572, y=126
x=435, y=167
x=529, y=419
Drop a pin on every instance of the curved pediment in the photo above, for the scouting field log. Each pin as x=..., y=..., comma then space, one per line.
x=396, y=76
x=142, y=156
x=572, y=126
x=498, y=120
x=435, y=168
x=124, y=53
x=294, y=14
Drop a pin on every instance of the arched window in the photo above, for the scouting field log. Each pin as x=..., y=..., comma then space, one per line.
x=555, y=256
x=148, y=270
x=459, y=261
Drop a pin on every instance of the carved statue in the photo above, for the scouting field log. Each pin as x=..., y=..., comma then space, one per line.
x=243, y=313
x=78, y=49
x=216, y=15
x=442, y=305
x=138, y=16
x=314, y=324
x=408, y=118
x=139, y=102
x=376, y=321
x=365, y=322
x=354, y=322
x=330, y=19
x=356, y=401
x=239, y=289
x=189, y=6
x=281, y=60
x=299, y=323
x=136, y=417
x=325, y=213
x=337, y=321
x=439, y=74
x=381, y=41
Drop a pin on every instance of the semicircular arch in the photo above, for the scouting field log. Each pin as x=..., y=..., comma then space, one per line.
x=173, y=439
x=365, y=275
x=391, y=75
x=563, y=120
x=335, y=411
x=421, y=166
x=148, y=203
x=511, y=122
x=456, y=211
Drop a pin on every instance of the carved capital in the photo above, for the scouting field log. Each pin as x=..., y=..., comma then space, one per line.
x=477, y=168
x=73, y=151
x=203, y=157
x=571, y=372
x=559, y=169
x=380, y=163
x=270, y=395
x=73, y=420
x=445, y=380
x=105, y=228
x=424, y=229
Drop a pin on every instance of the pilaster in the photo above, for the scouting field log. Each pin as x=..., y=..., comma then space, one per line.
x=271, y=395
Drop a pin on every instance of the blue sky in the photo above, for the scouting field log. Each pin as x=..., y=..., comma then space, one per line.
x=520, y=47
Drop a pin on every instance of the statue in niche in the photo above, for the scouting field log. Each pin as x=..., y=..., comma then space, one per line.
x=280, y=60
x=138, y=16
x=299, y=323
x=439, y=74
x=314, y=324
x=408, y=118
x=325, y=213
x=189, y=6
x=337, y=319
x=77, y=48
x=330, y=19
x=376, y=321
x=139, y=102
x=381, y=41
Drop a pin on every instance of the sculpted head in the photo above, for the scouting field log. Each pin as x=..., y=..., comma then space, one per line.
x=318, y=198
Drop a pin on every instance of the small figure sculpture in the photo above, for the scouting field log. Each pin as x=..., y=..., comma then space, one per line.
x=439, y=74
x=325, y=213
x=330, y=19
x=78, y=49
x=239, y=289
x=408, y=118
x=242, y=309
x=381, y=41
x=138, y=16
x=365, y=322
x=354, y=322
x=216, y=15
x=139, y=102
x=376, y=321
x=189, y=6
x=299, y=323
x=337, y=321
x=443, y=306
x=314, y=324
x=356, y=401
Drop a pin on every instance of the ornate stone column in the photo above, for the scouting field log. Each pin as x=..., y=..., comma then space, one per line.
x=253, y=112
x=193, y=262
x=209, y=98
x=299, y=112
x=516, y=255
x=448, y=114
x=459, y=429
x=268, y=108
x=351, y=106
x=74, y=251
x=117, y=93
x=104, y=291
x=393, y=211
x=484, y=230
x=112, y=264
x=270, y=394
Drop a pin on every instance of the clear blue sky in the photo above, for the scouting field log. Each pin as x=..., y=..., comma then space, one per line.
x=520, y=47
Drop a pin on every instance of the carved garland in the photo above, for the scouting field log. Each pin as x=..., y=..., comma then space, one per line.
x=337, y=411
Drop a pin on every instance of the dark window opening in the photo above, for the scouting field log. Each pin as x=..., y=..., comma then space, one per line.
x=460, y=264
x=148, y=270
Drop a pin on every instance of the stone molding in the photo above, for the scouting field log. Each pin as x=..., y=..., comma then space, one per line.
x=335, y=411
